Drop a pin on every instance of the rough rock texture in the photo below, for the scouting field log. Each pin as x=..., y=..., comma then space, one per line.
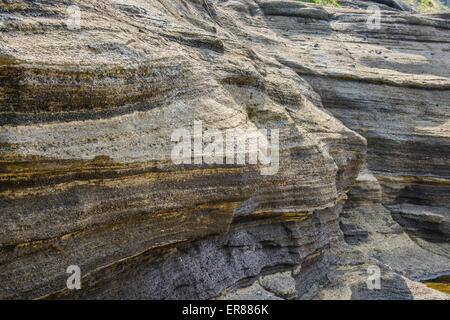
x=86, y=175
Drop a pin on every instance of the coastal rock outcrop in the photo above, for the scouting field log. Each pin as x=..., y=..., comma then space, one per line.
x=92, y=95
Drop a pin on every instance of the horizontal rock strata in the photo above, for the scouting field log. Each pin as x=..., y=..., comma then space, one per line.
x=87, y=176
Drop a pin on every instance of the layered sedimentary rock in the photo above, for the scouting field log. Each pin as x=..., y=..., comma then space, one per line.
x=87, y=176
x=369, y=227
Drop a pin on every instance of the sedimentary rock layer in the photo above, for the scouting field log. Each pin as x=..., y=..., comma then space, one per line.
x=88, y=114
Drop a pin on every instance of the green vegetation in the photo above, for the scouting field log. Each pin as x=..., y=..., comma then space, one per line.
x=425, y=5
x=421, y=5
x=330, y=3
x=440, y=283
x=428, y=5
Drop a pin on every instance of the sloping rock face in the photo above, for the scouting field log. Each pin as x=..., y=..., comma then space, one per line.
x=87, y=172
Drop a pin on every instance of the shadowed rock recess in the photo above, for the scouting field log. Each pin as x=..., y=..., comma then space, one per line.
x=86, y=176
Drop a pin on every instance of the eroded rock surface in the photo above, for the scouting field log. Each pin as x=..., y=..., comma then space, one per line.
x=87, y=177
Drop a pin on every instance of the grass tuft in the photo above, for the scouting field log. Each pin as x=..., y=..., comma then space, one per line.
x=329, y=3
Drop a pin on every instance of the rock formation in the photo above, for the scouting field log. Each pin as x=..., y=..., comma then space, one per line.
x=89, y=107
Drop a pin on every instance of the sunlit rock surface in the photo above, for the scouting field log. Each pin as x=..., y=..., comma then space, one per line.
x=87, y=177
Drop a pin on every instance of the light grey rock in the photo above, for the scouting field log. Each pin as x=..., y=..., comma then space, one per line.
x=281, y=284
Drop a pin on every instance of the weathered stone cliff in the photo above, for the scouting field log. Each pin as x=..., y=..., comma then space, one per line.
x=87, y=178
